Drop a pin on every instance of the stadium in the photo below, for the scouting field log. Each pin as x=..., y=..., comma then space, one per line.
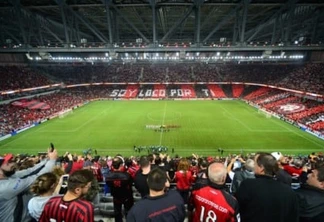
x=183, y=78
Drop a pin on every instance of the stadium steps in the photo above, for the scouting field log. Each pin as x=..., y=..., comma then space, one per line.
x=264, y=97
x=216, y=91
x=131, y=91
x=270, y=99
x=200, y=91
x=280, y=102
x=159, y=87
x=227, y=89
x=306, y=113
x=248, y=89
x=237, y=90
x=191, y=89
x=259, y=92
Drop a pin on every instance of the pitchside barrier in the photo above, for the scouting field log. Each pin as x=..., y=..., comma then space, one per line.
x=65, y=113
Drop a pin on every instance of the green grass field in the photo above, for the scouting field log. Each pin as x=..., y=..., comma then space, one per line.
x=113, y=127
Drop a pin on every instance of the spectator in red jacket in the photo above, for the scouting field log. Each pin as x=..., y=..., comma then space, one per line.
x=295, y=168
x=184, y=178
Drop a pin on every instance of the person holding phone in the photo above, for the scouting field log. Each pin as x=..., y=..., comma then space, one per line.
x=14, y=184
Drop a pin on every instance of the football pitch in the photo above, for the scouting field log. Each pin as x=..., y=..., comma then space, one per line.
x=199, y=127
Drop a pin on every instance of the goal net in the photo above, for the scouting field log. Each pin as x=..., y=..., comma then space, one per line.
x=65, y=113
x=265, y=113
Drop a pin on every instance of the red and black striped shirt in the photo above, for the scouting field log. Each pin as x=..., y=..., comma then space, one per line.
x=58, y=210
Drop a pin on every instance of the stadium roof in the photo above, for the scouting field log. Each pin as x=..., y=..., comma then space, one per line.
x=108, y=24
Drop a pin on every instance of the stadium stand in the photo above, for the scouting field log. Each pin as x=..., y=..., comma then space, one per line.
x=216, y=91
x=308, y=77
x=257, y=93
x=20, y=77
x=237, y=90
x=280, y=102
x=13, y=117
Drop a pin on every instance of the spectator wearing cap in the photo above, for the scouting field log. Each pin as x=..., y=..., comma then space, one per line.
x=140, y=180
x=120, y=183
x=14, y=186
x=158, y=205
x=247, y=172
x=282, y=175
x=212, y=202
x=311, y=197
x=264, y=198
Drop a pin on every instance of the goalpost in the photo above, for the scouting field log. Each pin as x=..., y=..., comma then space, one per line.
x=65, y=113
x=265, y=113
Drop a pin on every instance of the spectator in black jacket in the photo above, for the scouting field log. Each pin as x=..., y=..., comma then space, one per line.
x=265, y=199
x=201, y=179
x=140, y=180
x=120, y=183
x=158, y=205
x=311, y=197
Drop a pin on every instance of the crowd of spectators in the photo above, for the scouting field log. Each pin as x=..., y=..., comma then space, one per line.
x=307, y=77
x=93, y=74
x=13, y=118
x=267, y=187
x=20, y=77
x=308, y=112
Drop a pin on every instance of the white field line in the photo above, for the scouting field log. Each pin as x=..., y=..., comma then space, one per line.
x=163, y=119
x=233, y=117
x=81, y=126
x=258, y=130
x=26, y=133
x=40, y=129
x=298, y=134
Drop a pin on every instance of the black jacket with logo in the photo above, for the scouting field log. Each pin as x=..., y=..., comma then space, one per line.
x=120, y=184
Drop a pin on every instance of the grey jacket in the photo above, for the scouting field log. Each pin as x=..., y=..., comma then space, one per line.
x=239, y=177
x=13, y=188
